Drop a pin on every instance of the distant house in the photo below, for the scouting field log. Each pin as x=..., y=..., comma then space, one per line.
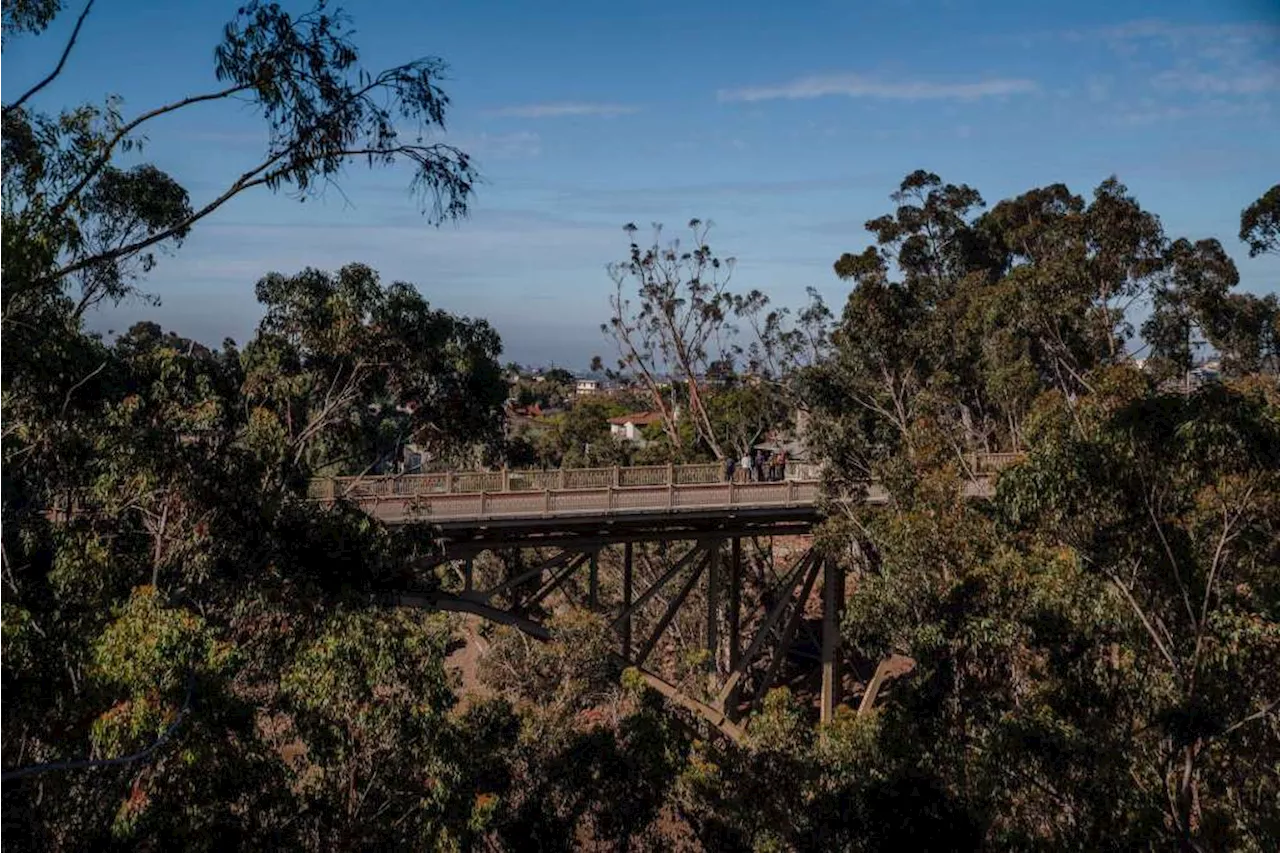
x=629, y=427
x=587, y=387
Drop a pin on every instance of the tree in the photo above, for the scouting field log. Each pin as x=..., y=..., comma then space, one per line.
x=349, y=371
x=990, y=311
x=559, y=376
x=897, y=348
x=370, y=704
x=679, y=323
x=1171, y=502
x=147, y=634
x=1260, y=223
x=1094, y=654
x=581, y=438
x=1192, y=302
x=744, y=415
x=70, y=214
x=595, y=760
x=1196, y=298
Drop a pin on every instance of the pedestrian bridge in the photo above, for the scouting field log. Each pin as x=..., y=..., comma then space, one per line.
x=645, y=548
x=598, y=493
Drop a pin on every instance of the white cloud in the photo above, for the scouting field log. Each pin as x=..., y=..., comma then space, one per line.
x=1254, y=80
x=501, y=146
x=1170, y=33
x=1150, y=112
x=859, y=86
x=565, y=108
x=1184, y=71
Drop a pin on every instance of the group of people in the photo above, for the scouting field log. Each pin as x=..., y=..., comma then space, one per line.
x=757, y=467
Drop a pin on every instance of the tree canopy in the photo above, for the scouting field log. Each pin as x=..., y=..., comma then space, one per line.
x=196, y=655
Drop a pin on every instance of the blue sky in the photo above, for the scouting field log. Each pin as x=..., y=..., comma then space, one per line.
x=787, y=125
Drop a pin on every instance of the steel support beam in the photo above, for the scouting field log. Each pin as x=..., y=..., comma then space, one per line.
x=788, y=632
x=556, y=581
x=713, y=608
x=593, y=581
x=477, y=608
x=524, y=577
x=629, y=609
x=714, y=716
x=832, y=610
x=735, y=601
x=731, y=684
x=575, y=536
x=672, y=609
x=627, y=556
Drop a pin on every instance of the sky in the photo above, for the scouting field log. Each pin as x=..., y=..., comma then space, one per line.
x=787, y=125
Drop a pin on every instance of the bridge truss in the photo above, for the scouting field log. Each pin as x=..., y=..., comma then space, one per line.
x=584, y=528
x=756, y=619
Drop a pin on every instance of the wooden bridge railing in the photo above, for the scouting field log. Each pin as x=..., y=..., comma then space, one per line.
x=515, y=480
x=609, y=501
x=990, y=463
x=571, y=479
x=588, y=501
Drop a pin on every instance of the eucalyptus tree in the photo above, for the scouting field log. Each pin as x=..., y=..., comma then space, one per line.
x=673, y=313
x=679, y=322
x=346, y=371
x=146, y=638
x=1260, y=223
x=1095, y=651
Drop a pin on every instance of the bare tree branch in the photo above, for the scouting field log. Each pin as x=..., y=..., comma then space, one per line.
x=66, y=51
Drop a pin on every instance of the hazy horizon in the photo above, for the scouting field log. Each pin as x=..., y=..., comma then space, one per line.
x=787, y=129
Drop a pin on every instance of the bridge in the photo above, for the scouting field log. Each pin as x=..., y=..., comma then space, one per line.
x=643, y=548
x=575, y=493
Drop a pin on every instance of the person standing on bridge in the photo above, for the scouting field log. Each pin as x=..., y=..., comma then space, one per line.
x=729, y=464
x=745, y=466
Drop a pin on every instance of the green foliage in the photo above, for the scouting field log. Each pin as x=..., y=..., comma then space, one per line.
x=1095, y=653
x=791, y=788
x=181, y=614
x=150, y=648
x=369, y=701
x=354, y=370
x=580, y=437
x=29, y=15
x=594, y=762
x=1260, y=223
x=672, y=311
x=1095, y=650
x=742, y=416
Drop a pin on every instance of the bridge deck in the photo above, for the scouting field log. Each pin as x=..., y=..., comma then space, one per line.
x=589, y=503
x=657, y=491
x=651, y=502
